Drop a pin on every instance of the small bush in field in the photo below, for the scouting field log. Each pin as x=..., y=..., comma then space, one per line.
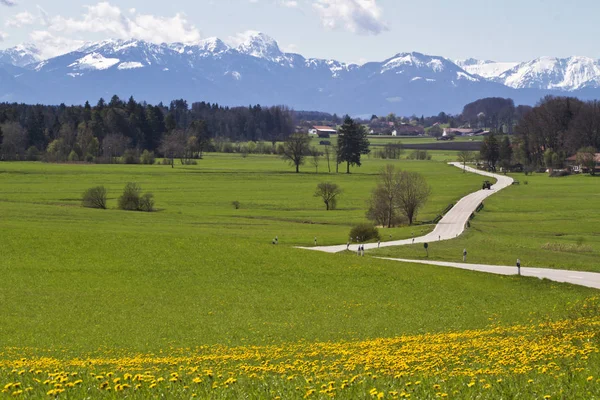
x=365, y=232
x=133, y=200
x=95, y=197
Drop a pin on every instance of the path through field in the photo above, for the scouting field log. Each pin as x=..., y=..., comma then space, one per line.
x=588, y=279
x=453, y=223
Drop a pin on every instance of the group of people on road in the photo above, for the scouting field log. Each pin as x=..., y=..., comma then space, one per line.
x=361, y=250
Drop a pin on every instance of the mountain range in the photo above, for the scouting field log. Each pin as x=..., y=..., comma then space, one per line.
x=257, y=71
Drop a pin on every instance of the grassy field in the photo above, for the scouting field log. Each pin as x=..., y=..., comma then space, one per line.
x=106, y=293
x=549, y=222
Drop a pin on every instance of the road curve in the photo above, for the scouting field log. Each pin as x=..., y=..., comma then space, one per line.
x=587, y=279
x=453, y=223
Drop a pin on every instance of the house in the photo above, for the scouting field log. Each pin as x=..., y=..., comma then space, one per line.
x=324, y=131
x=578, y=168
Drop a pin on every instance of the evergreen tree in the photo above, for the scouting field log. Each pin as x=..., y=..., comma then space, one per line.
x=352, y=143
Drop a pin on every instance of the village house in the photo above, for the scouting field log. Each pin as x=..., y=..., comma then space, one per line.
x=578, y=168
x=323, y=131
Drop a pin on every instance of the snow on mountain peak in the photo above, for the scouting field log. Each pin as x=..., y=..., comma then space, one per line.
x=416, y=60
x=571, y=73
x=94, y=61
x=213, y=45
x=257, y=44
x=485, y=68
x=20, y=55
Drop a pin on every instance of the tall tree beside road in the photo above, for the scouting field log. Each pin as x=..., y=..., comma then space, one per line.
x=490, y=151
x=352, y=143
x=397, y=193
x=464, y=157
x=413, y=194
x=295, y=149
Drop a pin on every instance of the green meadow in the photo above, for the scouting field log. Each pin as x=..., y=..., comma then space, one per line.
x=198, y=271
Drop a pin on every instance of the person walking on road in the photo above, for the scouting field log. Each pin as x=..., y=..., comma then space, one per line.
x=519, y=266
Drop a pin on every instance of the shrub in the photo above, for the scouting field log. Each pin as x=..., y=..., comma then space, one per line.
x=557, y=173
x=73, y=156
x=147, y=157
x=419, y=155
x=94, y=198
x=147, y=202
x=130, y=199
x=365, y=232
x=131, y=156
x=32, y=154
x=236, y=205
x=89, y=158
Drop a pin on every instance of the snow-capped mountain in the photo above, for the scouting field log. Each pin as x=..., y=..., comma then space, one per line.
x=258, y=71
x=486, y=69
x=568, y=74
x=20, y=55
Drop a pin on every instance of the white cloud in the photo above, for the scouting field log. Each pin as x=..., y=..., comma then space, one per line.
x=62, y=34
x=52, y=46
x=109, y=19
x=22, y=18
x=357, y=16
x=3, y=36
x=289, y=3
x=241, y=37
x=291, y=48
x=9, y=3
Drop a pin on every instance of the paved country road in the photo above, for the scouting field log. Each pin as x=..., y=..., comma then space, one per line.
x=453, y=223
x=588, y=279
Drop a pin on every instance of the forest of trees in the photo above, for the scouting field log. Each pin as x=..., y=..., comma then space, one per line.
x=557, y=128
x=108, y=130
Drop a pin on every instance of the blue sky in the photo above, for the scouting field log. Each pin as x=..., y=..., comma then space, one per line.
x=347, y=30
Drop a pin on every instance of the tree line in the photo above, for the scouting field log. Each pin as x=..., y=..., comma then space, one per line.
x=108, y=130
x=557, y=128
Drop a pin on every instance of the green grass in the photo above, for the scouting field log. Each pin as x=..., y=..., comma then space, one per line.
x=200, y=272
x=550, y=222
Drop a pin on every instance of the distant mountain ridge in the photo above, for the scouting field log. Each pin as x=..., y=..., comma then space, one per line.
x=258, y=71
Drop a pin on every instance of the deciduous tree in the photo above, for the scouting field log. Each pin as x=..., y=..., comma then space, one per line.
x=295, y=149
x=329, y=193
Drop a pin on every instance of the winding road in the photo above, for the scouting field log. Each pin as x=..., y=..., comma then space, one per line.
x=453, y=224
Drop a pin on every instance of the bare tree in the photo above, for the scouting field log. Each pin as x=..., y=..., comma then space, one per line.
x=173, y=145
x=315, y=158
x=398, y=193
x=382, y=205
x=465, y=157
x=327, y=154
x=295, y=149
x=14, y=141
x=114, y=145
x=329, y=193
x=413, y=194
